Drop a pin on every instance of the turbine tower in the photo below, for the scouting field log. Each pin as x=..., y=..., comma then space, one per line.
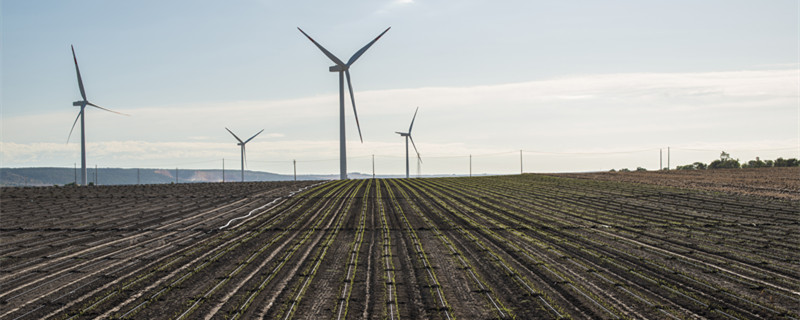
x=344, y=70
x=83, y=103
x=241, y=144
x=408, y=136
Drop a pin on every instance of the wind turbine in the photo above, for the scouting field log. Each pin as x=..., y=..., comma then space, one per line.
x=83, y=103
x=408, y=136
x=344, y=70
x=241, y=144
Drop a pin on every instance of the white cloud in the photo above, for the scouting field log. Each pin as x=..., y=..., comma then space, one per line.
x=719, y=110
x=393, y=5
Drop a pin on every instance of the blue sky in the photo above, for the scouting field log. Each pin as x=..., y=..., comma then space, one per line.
x=578, y=85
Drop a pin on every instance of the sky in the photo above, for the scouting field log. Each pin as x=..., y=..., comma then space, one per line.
x=568, y=85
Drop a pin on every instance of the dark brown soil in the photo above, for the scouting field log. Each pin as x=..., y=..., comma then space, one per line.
x=530, y=247
x=781, y=183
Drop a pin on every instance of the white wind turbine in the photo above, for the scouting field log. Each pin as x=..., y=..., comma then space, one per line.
x=408, y=136
x=344, y=70
x=83, y=103
x=241, y=144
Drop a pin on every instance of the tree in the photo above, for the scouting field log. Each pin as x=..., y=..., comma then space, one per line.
x=724, y=164
x=757, y=163
x=791, y=162
x=693, y=166
x=700, y=166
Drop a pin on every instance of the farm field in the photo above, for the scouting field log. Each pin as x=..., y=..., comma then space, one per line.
x=769, y=182
x=525, y=247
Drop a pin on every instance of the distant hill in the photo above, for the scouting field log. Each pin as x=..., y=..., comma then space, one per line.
x=116, y=176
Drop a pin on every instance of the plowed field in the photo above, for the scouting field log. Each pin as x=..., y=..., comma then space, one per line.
x=769, y=182
x=525, y=247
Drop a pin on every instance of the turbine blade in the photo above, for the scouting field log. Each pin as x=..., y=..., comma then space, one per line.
x=412, y=121
x=109, y=110
x=251, y=138
x=234, y=135
x=415, y=148
x=78, y=71
x=325, y=51
x=73, y=124
x=353, y=101
x=364, y=49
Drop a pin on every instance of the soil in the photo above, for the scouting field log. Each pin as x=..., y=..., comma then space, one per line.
x=782, y=183
x=529, y=246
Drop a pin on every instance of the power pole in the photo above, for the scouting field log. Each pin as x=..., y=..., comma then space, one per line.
x=294, y=163
x=668, y=154
x=470, y=165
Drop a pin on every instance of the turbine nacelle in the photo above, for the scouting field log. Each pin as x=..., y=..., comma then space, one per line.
x=78, y=103
x=338, y=68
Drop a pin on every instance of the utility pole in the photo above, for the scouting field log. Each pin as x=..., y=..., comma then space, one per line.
x=668, y=154
x=373, y=166
x=294, y=163
x=520, y=162
x=470, y=165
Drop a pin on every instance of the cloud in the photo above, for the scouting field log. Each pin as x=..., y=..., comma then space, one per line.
x=634, y=111
x=393, y=5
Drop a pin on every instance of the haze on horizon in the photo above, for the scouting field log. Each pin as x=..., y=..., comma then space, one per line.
x=577, y=85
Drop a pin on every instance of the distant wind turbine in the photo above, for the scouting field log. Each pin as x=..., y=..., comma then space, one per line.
x=408, y=136
x=344, y=70
x=241, y=144
x=83, y=103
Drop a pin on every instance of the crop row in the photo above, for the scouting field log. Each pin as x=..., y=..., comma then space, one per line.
x=557, y=216
x=525, y=247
